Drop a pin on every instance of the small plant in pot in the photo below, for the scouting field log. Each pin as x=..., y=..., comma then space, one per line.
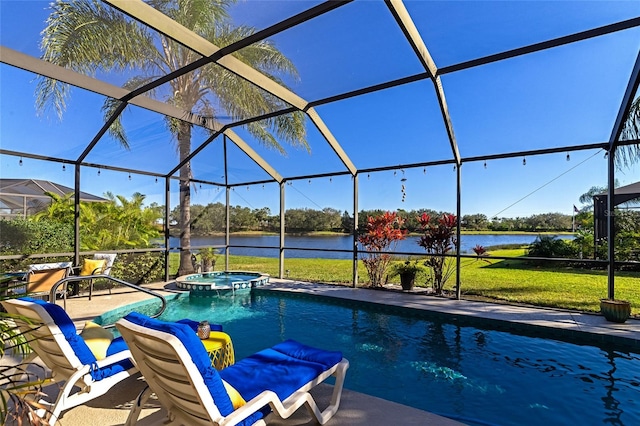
x=615, y=310
x=208, y=258
x=407, y=271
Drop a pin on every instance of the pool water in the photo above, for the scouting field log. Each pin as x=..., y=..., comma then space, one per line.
x=471, y=374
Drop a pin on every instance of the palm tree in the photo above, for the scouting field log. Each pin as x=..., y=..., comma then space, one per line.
x=88, y=36
x=630, y=154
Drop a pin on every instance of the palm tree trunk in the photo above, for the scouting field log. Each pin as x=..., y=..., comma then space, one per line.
x=184, y=143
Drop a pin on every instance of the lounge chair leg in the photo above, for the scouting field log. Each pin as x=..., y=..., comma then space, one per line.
x=142, y=399
x=324, y=416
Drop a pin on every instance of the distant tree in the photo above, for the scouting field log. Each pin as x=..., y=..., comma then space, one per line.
x=548, y=222
x=295, y=220
x=242, y=219
x=476, y=221
x=346, y=222
x=262, y=217
x=332, y=219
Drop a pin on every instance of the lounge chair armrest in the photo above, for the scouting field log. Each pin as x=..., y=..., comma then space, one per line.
x=117, y=357
x=111, y=359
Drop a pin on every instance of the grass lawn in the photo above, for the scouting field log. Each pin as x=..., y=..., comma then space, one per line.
x=512, y=280
x=521, y=282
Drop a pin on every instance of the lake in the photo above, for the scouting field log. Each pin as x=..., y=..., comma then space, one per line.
x=340, y=242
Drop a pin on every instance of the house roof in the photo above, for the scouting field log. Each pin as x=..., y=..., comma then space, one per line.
x=621, y=195
x=16, y=194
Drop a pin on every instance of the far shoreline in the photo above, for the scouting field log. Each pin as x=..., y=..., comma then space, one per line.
x=332, y=234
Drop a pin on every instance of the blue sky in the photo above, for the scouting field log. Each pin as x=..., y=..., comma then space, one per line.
x=568, y=95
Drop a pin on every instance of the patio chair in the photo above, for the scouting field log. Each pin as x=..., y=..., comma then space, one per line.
x=101, y=264
x=71, y=356
x=41, y=277
x=177, y=369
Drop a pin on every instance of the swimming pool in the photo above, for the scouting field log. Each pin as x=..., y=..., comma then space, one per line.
x=474, y=374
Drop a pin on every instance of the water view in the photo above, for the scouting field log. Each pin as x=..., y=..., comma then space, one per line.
x=341, y=242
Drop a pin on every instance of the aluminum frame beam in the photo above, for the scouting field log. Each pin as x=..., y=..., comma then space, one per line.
x=625, y=104
x=404, y=21
x=618, y=126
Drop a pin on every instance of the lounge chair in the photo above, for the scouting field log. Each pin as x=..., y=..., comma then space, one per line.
x=53, y=337
x=177, y=369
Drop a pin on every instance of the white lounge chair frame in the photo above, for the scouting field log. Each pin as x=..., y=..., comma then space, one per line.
x=171, y=374
x=48, y=342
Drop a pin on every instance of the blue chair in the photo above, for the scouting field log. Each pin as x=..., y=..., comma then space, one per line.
x=177, y=369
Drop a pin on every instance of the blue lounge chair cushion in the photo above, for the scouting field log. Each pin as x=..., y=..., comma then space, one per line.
x=291, y=363
x=200, y=358
x=80, y=348
x=308, y=353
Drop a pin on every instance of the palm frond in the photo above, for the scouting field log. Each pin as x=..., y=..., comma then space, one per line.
x=87, y=36
x=194, y=14
x=21, y=390
x=242, y=99
x=628, y=155
x=110, y=105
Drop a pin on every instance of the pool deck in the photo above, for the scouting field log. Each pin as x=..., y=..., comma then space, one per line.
x=356, y=408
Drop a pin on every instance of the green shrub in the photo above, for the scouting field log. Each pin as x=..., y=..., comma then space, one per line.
x=25, y=237
x=20, y=236
x=139, y=268
x=551, y=246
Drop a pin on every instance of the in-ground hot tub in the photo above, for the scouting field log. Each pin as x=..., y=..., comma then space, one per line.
x=221, y=280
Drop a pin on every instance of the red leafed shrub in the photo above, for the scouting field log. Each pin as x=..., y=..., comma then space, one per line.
x=438, y=240
x=382, y=234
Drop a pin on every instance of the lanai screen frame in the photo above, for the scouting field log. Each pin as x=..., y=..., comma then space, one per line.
x=150, y=17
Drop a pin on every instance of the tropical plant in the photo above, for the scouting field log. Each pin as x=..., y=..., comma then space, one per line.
x=630, y=154
x=60, y=209
x=551, y=246
x=89, y=36
x=116, y=224
x=380, y=235
x=208, y=256
x=119, y=223
x=439, y=239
